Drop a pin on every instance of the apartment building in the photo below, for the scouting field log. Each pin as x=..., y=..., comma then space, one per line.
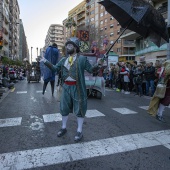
x=75, y=16
x=145, y=48
x=65, y=30
x=23, y=47
x=4, y=26
x=89, y=15
x=55, y=34
x=14, y=29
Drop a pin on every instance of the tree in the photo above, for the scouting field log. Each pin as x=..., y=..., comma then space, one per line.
x=70, y=23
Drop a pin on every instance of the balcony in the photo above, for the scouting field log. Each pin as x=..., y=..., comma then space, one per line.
x=129, y=43
x=81, y=10
x=128, y=52
x=89, y=3
x=80, y=16
x=80, y=23
x=130, y=35
x=151, y=49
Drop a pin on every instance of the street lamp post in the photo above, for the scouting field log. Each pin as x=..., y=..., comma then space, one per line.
x=37, y=51
x=31, y=54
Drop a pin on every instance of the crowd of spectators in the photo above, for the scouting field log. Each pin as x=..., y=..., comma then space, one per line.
x=10, y=74
x=128, y=77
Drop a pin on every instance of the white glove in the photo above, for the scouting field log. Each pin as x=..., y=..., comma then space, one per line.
x=43, y=60
x=101, y=62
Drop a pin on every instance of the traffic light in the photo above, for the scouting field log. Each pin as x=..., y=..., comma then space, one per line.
x=1, y=42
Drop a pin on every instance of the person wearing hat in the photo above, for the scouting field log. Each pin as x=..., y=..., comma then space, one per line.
x=74, y=94
x=52, y=55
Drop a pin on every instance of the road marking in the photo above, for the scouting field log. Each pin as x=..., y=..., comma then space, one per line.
x=52, y=117
x=79, y=151
x=40, y=91
x=21, y=92
x=144, y=107
x=93, y=113
x=109, y=90
x=56, y=117
x=124, y=111
x=167, y=146
x=10, y=122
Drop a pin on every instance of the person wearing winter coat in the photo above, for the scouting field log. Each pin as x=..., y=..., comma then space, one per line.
x=52, y=55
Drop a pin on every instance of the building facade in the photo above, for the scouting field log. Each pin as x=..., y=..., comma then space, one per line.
x=75, y=21
x=14, y=29
x=55, y=34
x=23, y=47
x=4, y=26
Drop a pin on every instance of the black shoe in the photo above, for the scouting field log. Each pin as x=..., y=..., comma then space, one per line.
x=61, y=132
x=78, y=137
x=160, y=118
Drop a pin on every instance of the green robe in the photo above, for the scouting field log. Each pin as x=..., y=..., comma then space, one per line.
x=73, y=97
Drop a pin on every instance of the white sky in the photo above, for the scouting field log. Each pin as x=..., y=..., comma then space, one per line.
x=38, y=15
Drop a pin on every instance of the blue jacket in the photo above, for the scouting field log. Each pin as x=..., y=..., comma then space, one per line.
x=52, y=55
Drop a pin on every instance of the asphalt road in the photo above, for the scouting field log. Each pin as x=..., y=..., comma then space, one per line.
x=118, y=132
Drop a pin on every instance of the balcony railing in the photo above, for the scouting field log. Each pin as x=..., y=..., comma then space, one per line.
x=80, y=16
x=128, y=52
x=129, y=43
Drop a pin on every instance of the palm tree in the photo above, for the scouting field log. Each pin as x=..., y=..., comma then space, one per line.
x=70, y=23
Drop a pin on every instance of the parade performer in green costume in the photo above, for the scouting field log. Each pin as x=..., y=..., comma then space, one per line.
x=74, y=94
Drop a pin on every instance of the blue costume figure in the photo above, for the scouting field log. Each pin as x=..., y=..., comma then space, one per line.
x=52, y=55
x=74, y=94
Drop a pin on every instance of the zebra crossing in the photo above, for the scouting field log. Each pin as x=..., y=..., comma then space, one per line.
x=74, y=152
x=56, y=117
x=54, y=155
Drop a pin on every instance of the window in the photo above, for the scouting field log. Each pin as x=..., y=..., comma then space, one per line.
x=101, y=22
x=101, y=7
x=105, y=28
x=101, y=14
x=105, y=12
x=118, y=23
x=101, y=36
x=111, y=18
x=92, y=12
x=105, y=20
x=118, y=41
x=92, y=19
x=118, y=49
x=118, y=31
x=111, y=34
x=92, y=5
x=101, y=29
x=111, y=26
x=111, y=42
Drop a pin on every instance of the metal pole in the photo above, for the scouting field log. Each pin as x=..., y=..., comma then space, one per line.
x=168, y=45
x=31, y=55
x=37, y=51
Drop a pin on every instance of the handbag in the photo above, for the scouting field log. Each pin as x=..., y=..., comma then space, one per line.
x=160, y=90
x=161, y=86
